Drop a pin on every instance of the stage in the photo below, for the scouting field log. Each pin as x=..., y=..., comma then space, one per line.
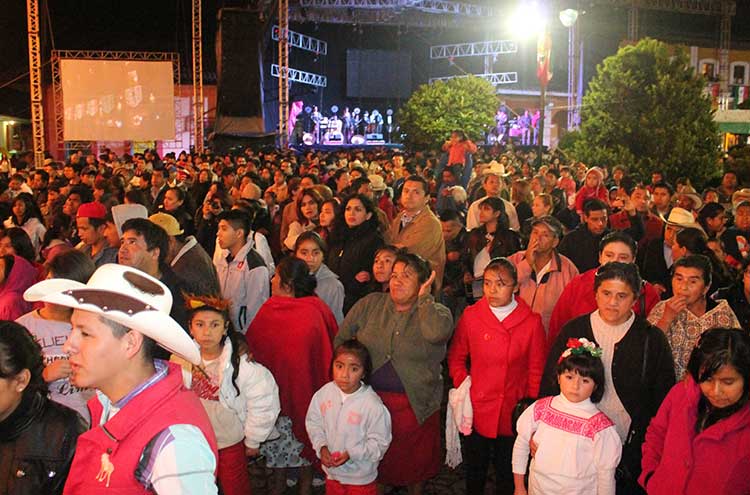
x=303, y=148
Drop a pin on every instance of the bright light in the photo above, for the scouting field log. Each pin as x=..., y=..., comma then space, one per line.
x=528, y=21
x=568, y=17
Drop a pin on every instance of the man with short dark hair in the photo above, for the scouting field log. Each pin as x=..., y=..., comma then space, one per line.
x=149, y=434
x=159, y=186
x=736, y=238
x=243, y=275
x=581, y=246
x=661, y=199
x=144, y=245
x=91, y=225
x=417, y=229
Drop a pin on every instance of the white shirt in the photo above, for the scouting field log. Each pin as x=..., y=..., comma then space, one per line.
x=578, y=448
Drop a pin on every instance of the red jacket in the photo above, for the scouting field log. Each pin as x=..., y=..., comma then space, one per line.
x=585, y=192
x=577, y=299
x=507, y=361
x=676, y=459
x=160, y=406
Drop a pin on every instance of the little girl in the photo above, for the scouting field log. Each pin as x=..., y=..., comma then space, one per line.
x=578, y=446
x=240, y=396
x=348, y=425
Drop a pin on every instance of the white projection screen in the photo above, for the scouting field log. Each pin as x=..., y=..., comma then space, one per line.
x=117, y=100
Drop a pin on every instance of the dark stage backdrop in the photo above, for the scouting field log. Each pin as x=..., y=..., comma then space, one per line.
x=378, y=74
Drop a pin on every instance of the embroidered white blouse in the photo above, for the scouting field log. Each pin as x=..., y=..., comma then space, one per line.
x=578, y=448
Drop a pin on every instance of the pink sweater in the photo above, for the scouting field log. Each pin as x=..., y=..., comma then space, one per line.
x=677, y=460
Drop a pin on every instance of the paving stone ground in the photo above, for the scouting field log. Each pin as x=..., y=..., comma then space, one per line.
x=447, y=482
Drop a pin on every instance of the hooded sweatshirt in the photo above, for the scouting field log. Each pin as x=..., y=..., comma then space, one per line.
x=22, y=276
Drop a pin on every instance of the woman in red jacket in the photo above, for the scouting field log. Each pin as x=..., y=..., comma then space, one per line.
x=504, y=341
x=699, y=441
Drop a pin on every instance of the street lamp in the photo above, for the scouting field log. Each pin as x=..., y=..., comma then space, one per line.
x=568, y=18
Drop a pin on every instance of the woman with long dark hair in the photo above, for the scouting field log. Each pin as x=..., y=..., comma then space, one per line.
x=698, y=441
x=351, y=254
x=37, y=436
x=26, y=215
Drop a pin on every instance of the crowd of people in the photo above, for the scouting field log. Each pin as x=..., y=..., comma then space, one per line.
x=168, y=320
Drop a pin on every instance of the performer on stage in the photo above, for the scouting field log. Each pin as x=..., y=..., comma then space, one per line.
x=348, y=121
x=525, y=122
x=377, y=120
x=316, y=119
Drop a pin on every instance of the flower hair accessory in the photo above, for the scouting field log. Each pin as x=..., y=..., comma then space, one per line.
x=576, y=347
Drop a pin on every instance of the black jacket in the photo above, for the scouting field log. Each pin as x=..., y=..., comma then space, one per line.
x=653, y=266
x=351, y=253
x=37, y=443
x=582, y=247
x=642, y=372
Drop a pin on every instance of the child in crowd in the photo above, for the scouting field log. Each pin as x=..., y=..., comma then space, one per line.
x=348, y=425
x=592, y=187
x=578, y=446
x=382, y=267
x=240, y=396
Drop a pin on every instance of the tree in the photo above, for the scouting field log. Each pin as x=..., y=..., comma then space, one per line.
x=646, y=109
x=434, y=110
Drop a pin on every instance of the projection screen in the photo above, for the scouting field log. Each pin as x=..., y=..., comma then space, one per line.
x=117, y=100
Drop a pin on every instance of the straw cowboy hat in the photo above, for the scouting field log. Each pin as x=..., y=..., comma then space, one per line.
x=377, y=182
x=739, y=196
x=494, y=168
x=691, y=193
x=682, y=219
x=126, y=296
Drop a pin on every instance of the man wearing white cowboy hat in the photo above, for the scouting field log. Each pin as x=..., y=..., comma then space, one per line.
x=655, y=260
x=492, y=186
x=149, y=433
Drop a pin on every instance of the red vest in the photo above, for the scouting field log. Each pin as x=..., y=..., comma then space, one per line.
x=124, y=437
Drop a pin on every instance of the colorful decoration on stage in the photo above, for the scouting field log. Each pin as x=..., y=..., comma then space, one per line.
x=544, y=58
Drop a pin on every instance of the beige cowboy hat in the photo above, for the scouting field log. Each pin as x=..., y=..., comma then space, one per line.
x=126, y=296
x=691, y=193
x=494, y=168
x=682, y=219
x=739, y=196
x=377, y=182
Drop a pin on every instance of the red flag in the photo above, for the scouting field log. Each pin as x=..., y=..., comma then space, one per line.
x=544, y=58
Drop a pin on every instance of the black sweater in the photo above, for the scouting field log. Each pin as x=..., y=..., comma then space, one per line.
x=642, y=372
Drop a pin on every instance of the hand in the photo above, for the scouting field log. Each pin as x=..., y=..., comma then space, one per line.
x=533, y=446
x=249, y=452
x=521, y=490
x=325, y=457
x=56, y=370
x=531, y=250
x=453, y=256
x=672, y=308
x=660, y=289
x=362, y=277
x=468, y=278
x=206, y=210
x=339, y=458
x=427, y=286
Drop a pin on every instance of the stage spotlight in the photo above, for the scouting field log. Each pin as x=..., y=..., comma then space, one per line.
x=527, y=21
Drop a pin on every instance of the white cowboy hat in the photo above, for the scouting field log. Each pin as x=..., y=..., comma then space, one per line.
x=494, y=168
x=683, y=219
x=126, y=296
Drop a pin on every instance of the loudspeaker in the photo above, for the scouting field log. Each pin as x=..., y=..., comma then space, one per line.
x=239, y=108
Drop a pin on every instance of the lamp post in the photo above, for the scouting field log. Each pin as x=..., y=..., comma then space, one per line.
x=568, y=18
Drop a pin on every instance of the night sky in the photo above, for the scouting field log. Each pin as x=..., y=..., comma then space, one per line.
x=164, y=25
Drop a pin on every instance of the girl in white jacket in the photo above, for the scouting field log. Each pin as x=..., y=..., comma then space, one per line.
x=240, y=396
x=348, y=425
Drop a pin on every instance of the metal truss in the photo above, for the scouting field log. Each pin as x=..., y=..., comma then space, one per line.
x=706, y=7
x=351, y=17
x=480, y=48
x=57, y=91
x=302, y=41
x=495, y=79
x=284, y=38
x=429, y=6
x=35, y=81
x=197, y=76
x=301, y=76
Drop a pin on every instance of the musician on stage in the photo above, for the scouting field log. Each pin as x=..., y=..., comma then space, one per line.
x=316, y=117
x=348, y=121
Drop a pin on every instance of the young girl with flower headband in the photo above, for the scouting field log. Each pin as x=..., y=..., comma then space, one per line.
x=240, y=396
x=579, y=448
